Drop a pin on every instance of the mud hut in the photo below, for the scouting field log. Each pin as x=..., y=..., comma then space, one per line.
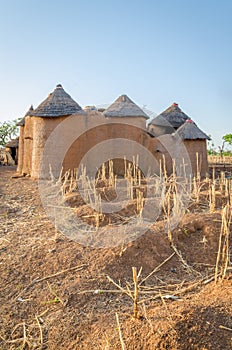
x=125, y=111
x=12, y=148
x=194, y=140
x=168, y=121
x=124, y=107
x=39, y=123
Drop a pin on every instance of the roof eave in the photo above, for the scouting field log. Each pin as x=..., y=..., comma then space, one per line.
x=48, y=115
x=114, y=115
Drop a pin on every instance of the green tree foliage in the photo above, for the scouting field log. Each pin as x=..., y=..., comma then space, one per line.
x=8, y=130
x=226, y=139
x=220, y=150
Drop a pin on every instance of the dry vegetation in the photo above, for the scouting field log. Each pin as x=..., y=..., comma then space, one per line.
x=168, y=288
x=220, y=159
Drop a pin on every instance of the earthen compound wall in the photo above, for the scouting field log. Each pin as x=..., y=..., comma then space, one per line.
x=81, y=133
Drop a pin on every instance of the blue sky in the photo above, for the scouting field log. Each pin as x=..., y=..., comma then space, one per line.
x=155, y=51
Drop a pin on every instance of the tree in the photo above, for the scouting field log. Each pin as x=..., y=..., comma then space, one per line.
x=226, y=139
x=8, y=130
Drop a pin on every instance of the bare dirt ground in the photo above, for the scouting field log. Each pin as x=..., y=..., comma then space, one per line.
x=55, y=294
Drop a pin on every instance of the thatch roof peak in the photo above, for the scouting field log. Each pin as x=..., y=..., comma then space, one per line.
x=124, y=98
x=190, y=131
x=123, y=106
x=58, y=103
x=172, y=116
x=29, y=113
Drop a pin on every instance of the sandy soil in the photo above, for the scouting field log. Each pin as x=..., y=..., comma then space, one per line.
x=55, y=293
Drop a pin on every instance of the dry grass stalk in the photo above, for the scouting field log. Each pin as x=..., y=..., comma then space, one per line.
x=120, y=333
x=24, y=339
x=40, y=332
x=226, y=328
x=127, y=292
x=134, y=295
x=188, y=268
x=168, y=216
x=157, y=268
x=228, y=191
x=56, y=299
x=196, y=190
x=75, y=268
x=165, y=169
x=166, y=308
x=136, y=292
x=139, y=202
x=199, y=166
x=146, y=317
x=222, y=261
x=222, y=181
x=212, y=196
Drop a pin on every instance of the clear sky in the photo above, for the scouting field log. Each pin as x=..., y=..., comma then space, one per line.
x=155, y=51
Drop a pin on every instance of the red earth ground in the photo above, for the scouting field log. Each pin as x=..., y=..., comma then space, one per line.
x=55, y=293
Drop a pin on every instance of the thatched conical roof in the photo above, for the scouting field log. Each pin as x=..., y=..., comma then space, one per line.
x=29, y=113
x=57, y=104
x=124, y=107
x=172, y=116
x=190, y=131
x=13, y=143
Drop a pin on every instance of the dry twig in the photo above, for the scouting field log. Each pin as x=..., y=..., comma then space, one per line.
x=120, y=333
x=75, y=268
x=136, y=292
x=157, y=268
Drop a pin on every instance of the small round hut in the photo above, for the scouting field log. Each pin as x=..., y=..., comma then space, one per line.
x=38, y=125
x=124, y=107
x=124, y=111
x=168, y=121
x=195, y=143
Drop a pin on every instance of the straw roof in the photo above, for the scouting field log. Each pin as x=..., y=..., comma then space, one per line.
x=13, y=143
x=190, y=131
x=57, y=104
x=29, y=113
x=124, y=107
x=172, y=116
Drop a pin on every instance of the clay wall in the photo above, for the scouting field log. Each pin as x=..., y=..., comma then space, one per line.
x=110, y=129
x=140, y=122
x=20, y=150
x=43, y=127
x=27, y=146
x=197, y=146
